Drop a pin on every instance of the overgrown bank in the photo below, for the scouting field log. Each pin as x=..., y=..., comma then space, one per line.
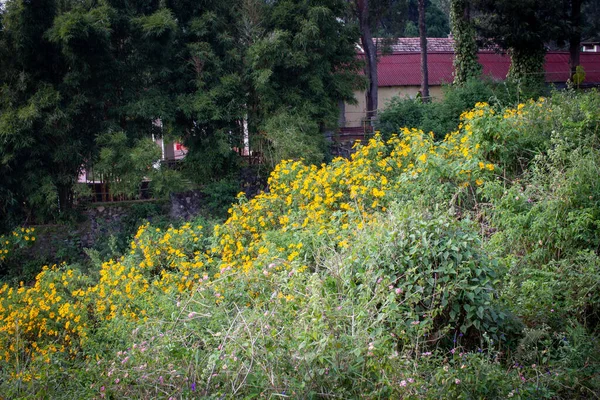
x=420, y=269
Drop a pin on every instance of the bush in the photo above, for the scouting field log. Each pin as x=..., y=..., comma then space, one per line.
x=219, y=197
x=367, y=277
x=547, y=220
x=116, y=236
x=292, y=137
x=11, y=250
x=442, y=117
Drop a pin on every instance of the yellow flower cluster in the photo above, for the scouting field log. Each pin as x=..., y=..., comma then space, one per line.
x=495, y=131
x=55, y=315
x=172, y=259
x=18, y=238
x=43, y=319
x=327, y=203
x=344, y=193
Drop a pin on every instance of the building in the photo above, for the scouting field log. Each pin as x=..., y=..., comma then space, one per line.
x=590, y=47
x=399, y=73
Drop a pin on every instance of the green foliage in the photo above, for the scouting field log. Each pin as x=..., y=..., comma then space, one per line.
x=466, y=268
x=436, y=21
x=219, y=197
x=578, y=76
x=502, y=138
x=124, y=166
x=78, y=74
x=253, y=64
x=590, y=30
x=115, y=236
x=552, y=211
x=438, y=267
x=165, y=180
x=400, y=113
x=73, y=72
x=557, y=292
x=466, y=63
x=211, y=159
x=159, y=24
x=293, y=137
x=11, y=249
x=545, y=222
x=307, y=62
x=444, y=116
x=522, y=29
x=527, y=66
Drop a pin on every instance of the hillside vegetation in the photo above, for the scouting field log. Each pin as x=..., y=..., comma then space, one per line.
x=464, y=268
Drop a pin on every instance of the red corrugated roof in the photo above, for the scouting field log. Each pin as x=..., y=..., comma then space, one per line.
x=404, y=69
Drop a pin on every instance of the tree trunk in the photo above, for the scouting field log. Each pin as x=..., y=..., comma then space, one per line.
x=466, y=62
x=575, y=37
x=65, y=198
x=527, y=66
x=423, y=37
x=370, y=50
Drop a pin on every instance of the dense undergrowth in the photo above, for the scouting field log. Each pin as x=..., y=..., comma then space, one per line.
x=464, y=268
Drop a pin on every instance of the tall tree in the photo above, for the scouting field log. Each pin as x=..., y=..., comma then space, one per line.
x=391, y=17
x=575, y=35
x=302, y=69
x=522, y=28
x=72, y=72
x=423, y=42
x=466, y=64
x=437, y=22
x=214, y=85
x=370, y=51
x=253, y=61
x=38, y=151
x=590, y=31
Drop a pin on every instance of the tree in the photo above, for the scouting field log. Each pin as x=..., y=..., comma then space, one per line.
x=522, y=28
x=251, y=62
x=214, y=86
x=73, y=71
x=77, y=72
x=575, y=35
x=370, y=51
x=590, y=31
x=466, y=64
x=423, y=42
x=39, y=154
x=304, y=66
x=435, y=19
x=391, y=17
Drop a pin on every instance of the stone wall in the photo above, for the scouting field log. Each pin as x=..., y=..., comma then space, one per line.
x=186, y=205
x=101, y=220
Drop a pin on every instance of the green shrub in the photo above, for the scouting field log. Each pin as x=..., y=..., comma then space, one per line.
x=116, y=236
x=463, y=269
x=547, y=221
x=292, y=136
x=399, y=113
x=443, y=116
x=219, y=197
